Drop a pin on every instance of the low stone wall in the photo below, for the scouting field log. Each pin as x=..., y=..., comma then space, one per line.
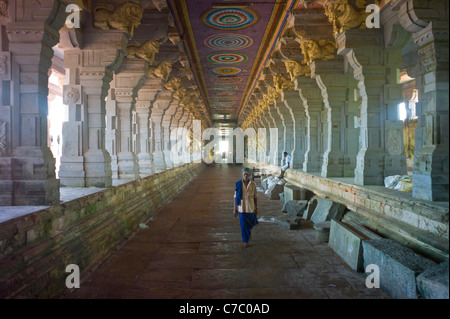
x=36, y=248
x=420, y=225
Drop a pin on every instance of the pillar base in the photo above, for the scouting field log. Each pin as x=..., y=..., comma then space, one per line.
x=33, y=177
x=128, y=168
x=159, y=164
x=98, y=169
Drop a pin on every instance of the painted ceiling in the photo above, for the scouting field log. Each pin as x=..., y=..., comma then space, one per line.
x=228, y=44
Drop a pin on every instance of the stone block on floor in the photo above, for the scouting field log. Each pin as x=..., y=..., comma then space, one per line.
x=274, y=192
x=322, y=231
x=312, y=204
x=287, y=222
x=295, y=207
x=399, y=267
x=326, y=210
x=433, y=283
x=346, y=241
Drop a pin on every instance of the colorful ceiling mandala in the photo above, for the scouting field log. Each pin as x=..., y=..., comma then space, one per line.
x=228, y=41
x=227, y=70
x=229, y=58
x=230, y=18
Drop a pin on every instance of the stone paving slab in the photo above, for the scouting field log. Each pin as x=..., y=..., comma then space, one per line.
x=192, y=248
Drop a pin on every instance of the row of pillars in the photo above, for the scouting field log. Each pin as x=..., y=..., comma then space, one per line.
x=121, y=123
x=343, y=121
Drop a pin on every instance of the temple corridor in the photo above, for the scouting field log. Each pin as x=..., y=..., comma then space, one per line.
x=112, y=113
x=192, y=249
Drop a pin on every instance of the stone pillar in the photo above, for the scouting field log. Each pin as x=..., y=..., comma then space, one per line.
x=126, y=158
x=162, y=102
x=430, y=170
x=27, y=164
x=146, y=96
x=312, y=102
x=277, y=121
x=294, y=104
x=377, y=156
x=176, y=133
x=166, y=124
x=144, y=157
x=102, y=53
x=6, y=121
x=112, y=134
x=333, y=84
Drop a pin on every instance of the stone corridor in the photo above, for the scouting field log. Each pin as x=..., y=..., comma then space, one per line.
x=192, y=249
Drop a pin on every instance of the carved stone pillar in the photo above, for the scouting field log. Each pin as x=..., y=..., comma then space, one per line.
x=126, y=158
x=6, y=182
x=166, y=124
x=112, y=133
x=312, y=102
x=430, y=170
x=183, y=132
x=294, y=103
x=176, y=133
x=380, y=153
x=145, y=98
x=30, y=176
x=161, y=104
x=103, y=50
x=334, y=86
x=288, y=136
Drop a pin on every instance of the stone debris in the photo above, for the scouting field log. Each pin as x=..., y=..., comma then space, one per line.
x=433, y=283
x=326, y=210
x=295, y=207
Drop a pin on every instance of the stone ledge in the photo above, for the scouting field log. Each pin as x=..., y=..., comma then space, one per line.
x=35, y=248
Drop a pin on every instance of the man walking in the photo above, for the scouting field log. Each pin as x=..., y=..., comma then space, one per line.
x=286, y=165
x=245, y=204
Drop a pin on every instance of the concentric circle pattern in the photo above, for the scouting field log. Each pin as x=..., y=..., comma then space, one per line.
x=230, y=18
x=228, y=41
x=228, y=58
x=227, y=70
x=227, y=79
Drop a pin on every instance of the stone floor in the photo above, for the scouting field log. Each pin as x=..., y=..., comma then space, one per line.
x=192, y=249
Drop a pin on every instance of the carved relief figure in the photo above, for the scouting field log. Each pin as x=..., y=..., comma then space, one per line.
x=282, y=83
x=343, y=16
x=173, y=84
x=125, y=17
x=146, y=51
x=273, y=94
x=320, y=50
x=161, y=71
x=3, y=8
x=296, y=69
